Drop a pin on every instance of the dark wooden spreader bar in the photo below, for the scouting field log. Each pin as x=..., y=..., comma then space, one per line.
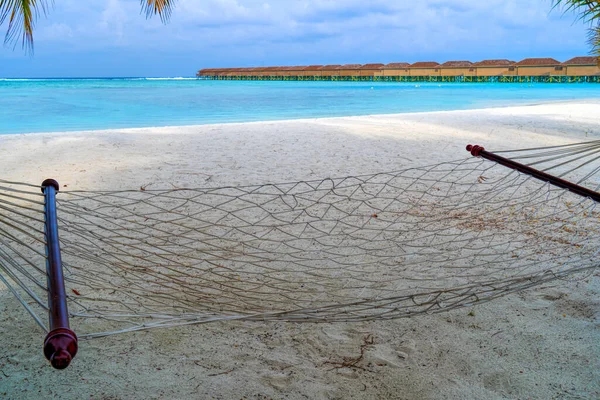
x=479, y=151
x=60, y=345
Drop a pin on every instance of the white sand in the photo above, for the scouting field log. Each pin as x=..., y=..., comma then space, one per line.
x=540, y=344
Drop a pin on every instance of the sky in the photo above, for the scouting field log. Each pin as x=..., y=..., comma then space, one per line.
x=112, y=38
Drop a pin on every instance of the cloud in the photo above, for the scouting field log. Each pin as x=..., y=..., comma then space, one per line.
x=259, y=32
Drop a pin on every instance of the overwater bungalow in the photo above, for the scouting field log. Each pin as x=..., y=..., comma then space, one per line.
x=234, y=72
x=396, y=69
x=244, y=71
x=457, y=68
x=225, y=71
x=425, y=68
x=330, y=70
x=495, y=68
x=539, y=67
x=273, y=71
x=349, y=70
x=293, y=70
x=210, y=71
x=582, y=66
x=207, y=72
x=249, y=71
x=371, y=70
x=255, y=71
x=312, y=70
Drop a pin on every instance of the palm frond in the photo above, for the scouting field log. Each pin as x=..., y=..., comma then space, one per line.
x=589, y=12
x=589, y=9
x=594, y=40
x=21, y=16
x=163, y=8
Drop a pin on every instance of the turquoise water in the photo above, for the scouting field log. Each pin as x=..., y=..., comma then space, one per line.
x=49, y=105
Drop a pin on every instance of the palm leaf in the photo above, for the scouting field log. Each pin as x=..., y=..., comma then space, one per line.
x=589, y=9
x=589, y=12
x=22, y=14
x=594, y=40
x=163, y=8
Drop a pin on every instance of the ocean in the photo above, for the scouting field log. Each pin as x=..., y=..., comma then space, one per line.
x=51, y=105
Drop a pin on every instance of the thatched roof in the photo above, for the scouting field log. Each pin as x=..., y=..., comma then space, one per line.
x=457, y=64
x=401, y=65
x=534, y=62
x=349, y=66
x=313, y=67
x=294, y=68
x=494, y=63
x=372, y=66
x=583, y=61
x=272, y=69
x=331, y=66
x=425, y=64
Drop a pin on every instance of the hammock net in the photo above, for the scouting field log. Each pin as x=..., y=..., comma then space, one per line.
x=381, y=246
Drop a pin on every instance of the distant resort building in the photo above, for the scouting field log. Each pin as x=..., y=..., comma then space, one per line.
x=395, y=69
x=457, y=68
x=495, y=68
x=312, y=70
x=539, y=67
x=349, y=70
x=582, y=66
x=330, y=70
x=371, y=70
x=296, y=70
x=424, y=68
x=577, y=69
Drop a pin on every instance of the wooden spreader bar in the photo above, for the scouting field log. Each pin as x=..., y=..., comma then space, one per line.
x=60, y=345
x=479, y=151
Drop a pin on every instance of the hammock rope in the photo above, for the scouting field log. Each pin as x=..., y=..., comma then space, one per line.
x=380, y=246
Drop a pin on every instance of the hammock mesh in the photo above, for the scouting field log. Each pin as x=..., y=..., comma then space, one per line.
x=381, y=246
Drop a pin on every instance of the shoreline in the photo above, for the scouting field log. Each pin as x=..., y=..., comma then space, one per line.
x=244, y=153
x=589, y=101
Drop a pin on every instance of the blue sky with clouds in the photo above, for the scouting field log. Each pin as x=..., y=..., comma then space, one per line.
x=95, y=38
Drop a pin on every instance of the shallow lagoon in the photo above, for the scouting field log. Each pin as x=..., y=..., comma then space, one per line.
x=50, y=105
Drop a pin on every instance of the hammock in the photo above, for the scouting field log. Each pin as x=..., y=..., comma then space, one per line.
x=381, y=246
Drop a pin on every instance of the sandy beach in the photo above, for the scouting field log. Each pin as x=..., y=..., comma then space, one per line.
x=539, y=344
